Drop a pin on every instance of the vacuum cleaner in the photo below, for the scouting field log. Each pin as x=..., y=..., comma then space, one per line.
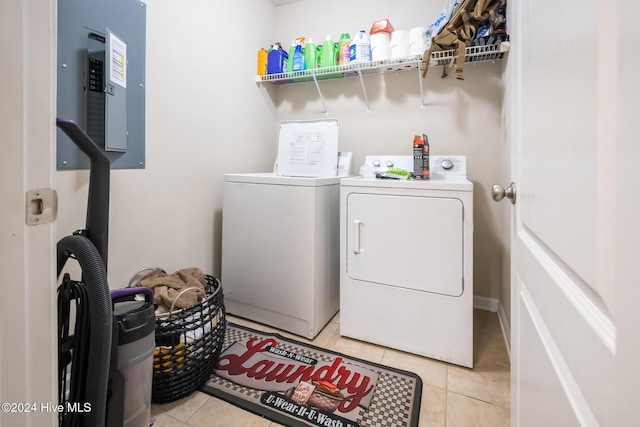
x=105, y=339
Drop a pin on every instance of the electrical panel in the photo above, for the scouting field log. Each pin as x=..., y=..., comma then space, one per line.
x=101, y=79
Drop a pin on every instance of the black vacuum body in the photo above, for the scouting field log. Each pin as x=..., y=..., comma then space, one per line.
x=105, y=357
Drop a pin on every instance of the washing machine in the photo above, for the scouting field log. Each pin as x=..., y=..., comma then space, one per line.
x=280, y=250
x=280, y=232
x=406, y=259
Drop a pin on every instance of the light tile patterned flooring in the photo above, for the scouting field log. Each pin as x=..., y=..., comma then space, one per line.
x=452, y=396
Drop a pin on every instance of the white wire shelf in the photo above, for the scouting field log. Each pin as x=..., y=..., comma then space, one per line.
x=342, y=71
x=473, y=54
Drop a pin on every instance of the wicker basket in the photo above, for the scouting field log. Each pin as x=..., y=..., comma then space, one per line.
x=188, y=344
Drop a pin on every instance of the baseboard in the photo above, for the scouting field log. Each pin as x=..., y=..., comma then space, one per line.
x=495, y=306
x=486, y=304
x=506, y=329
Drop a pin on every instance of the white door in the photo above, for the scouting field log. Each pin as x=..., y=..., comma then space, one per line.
x=28, y=352
x=571, y=93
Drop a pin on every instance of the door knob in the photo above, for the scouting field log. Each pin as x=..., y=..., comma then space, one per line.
x=498, y=192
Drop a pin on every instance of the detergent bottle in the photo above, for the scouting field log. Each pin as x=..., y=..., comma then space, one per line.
x=262, y=61
x=343, y=49
x=310, y=55
x=292, y=50
x=360, y=48
x=276, y=60
x=328, y=53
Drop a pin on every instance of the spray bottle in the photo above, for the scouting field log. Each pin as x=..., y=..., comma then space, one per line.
x=298, y=59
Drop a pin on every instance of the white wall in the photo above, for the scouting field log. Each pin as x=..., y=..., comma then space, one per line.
x=205, y=116
x=461, y=117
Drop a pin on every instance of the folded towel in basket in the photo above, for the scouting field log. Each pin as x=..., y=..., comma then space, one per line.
x=166, y=287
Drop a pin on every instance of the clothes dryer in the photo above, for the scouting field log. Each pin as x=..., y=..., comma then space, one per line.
x=406, y=264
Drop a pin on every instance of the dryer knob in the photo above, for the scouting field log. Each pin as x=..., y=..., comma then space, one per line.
x=376, y=163
x=389, y=164
x=446, y=164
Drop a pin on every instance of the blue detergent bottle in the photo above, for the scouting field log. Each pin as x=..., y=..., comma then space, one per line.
x=277, y=60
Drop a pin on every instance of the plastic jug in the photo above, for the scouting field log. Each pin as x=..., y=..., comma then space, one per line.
x=343, y=49
x=310, y=55
x=328, y=53
x=360, y=48
x=277, y=60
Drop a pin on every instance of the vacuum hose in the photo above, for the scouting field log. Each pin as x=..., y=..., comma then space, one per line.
x=101, y=319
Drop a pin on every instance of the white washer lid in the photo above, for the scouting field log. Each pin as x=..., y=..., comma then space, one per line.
x=308, y=148
x=273, y=179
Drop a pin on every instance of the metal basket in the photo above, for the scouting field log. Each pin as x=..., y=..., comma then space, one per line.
x=188, y=344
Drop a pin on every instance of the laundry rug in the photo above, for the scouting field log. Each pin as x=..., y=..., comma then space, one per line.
x=298, y=384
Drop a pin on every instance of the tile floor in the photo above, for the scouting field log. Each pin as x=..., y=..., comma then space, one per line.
x=452, y=396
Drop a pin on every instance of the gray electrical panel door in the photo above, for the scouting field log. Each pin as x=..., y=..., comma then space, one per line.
x=101, y=79
x=116, y=98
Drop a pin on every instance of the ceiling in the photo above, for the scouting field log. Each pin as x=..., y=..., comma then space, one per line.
x=281, y=2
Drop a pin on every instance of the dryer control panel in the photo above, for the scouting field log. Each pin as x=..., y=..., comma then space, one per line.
x=439, y=165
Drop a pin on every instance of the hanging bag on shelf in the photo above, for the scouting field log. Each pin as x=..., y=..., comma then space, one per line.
x=460, y=31
x=448, y=9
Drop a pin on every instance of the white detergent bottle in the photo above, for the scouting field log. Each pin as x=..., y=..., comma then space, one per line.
x=360, y=48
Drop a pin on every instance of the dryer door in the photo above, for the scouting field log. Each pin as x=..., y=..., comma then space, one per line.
x=406, y=241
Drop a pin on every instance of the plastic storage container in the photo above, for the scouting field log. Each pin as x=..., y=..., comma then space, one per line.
x=131, y=370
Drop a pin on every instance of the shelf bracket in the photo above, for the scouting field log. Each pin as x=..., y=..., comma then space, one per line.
x=420, y=78
x=267, y=97
x=364, y=91
x=324, y=106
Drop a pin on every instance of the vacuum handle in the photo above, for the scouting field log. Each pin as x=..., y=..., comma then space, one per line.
x=126, y=294
x=97, y=227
